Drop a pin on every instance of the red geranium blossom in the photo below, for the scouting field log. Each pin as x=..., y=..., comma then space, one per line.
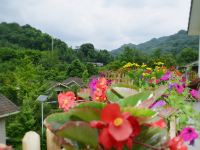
x=66, y=100
x=177, y=143
x=102, y=83
x=160, y=123
x=117, y=129
x=154, y=81
x=98, y=92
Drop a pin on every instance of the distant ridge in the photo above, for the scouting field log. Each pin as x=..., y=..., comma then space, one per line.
x=173, y=43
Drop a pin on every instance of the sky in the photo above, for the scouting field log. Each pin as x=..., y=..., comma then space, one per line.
x=107, y=24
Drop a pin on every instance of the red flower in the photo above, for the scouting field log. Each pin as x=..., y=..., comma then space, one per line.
x=102, y=83
x=66, y=100
x=172, y=68
x=177, y=143
x=99, y=95
x=154, y=81
x=118, y=129
x=160, y=123
x=98, y=89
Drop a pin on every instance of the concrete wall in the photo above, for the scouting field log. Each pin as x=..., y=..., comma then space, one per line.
x=2, y=131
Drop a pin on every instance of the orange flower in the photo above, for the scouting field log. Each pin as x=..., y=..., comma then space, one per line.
x=178, y=73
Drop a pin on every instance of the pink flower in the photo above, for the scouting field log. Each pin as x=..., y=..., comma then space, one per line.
x=179, y=88
x=156, y=104
x=166, y=76
x=195, y=93
x=66, y=100
x=189, y=134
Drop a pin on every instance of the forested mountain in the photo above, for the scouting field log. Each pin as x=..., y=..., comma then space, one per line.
x=173, y=43
x=14, y=35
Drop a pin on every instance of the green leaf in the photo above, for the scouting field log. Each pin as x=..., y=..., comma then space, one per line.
x=85, y=114
x=156, y=95
x=124, y=92
x=112, y=96
x=55, y=121
x=139, y=112
x=79, y=131
x=91, y=104
x=135, y=99
x=84, y=94
x=152, y=136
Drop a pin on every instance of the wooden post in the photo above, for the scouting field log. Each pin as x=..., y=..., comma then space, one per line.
x=51, y=144
x=31, y=141
x=172, y=130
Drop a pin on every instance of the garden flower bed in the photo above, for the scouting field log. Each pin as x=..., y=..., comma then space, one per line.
x=155, y=115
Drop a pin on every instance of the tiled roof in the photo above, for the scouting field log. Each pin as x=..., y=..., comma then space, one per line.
x=7, y=107
x=75, y=79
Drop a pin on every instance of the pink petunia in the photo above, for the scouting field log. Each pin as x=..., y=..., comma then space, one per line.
x=166, y=76
x=189, y=134
x=180, y=88
x=195, y=94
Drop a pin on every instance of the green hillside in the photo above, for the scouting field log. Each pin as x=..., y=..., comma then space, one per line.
x=15, y=36
x=173, y=43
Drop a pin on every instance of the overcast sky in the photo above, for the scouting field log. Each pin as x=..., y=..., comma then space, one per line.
x=106, y=23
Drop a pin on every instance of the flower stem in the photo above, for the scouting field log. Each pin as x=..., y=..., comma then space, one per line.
x=146, y=145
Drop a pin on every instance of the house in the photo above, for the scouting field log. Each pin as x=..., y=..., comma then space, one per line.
x=66, y=84
x=192, y=70
x=7, y=108
x=71, y=81
x=98, y=64
x=194, y=24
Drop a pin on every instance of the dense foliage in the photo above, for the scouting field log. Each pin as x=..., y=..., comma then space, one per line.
x=28, y=66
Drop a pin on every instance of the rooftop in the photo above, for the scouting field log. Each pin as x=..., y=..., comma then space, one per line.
x=7, y=107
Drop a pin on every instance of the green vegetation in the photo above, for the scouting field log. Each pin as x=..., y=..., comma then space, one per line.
x=28, y=66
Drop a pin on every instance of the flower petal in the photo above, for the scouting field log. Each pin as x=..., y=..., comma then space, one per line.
x=122, y=132
x=110, y=112
x=105, y=139
x=135, y=126
x=97, y=124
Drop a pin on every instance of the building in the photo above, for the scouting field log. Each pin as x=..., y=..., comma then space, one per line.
x=67, y=84
x=7, y=108
x=194, y=24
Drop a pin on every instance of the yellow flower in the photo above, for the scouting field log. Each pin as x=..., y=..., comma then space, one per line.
x=160, y=63
x=143, y=65
x=136, y=65
x=128, y=65
x=149, y=69
x=145, y=74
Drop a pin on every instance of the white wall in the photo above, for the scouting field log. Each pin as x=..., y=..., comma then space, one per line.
x=2, y=131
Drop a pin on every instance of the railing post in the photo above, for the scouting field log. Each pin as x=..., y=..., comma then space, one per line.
x=172, y=130
x=51, y=144
x=31, y=141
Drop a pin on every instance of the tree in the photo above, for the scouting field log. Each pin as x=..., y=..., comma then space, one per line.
x=187, y=55
x=132, y=55
x=104, y=57
x=87, y=53
x=85, y=76
x=76, y=69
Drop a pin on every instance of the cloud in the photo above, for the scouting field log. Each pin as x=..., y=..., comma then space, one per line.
x=105, y=23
